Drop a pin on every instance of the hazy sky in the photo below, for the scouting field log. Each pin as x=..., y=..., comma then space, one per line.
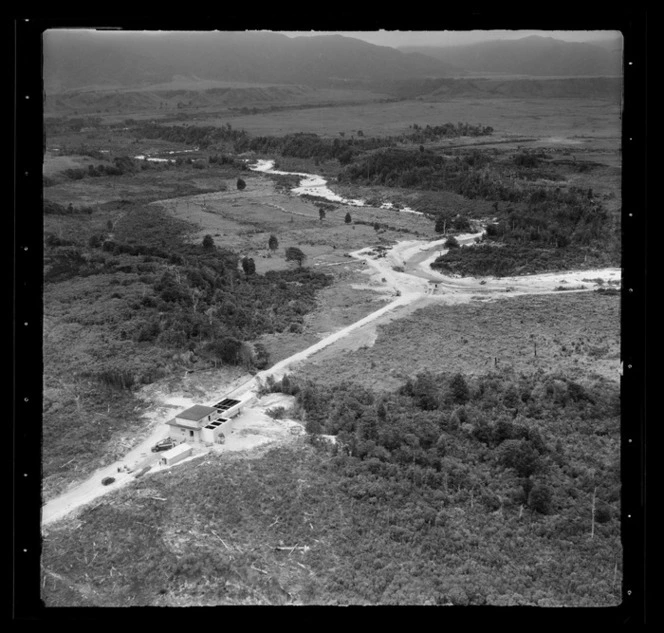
x=408, y=38
x=445, y=38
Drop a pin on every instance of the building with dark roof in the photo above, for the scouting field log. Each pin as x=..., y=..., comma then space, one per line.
x=197, y=413
x=204, y=424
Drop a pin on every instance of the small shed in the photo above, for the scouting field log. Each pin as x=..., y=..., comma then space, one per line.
x=176, y=454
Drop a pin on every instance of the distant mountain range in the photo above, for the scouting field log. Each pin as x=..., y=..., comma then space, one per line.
x=76, y=60
x=535, y=56
x=79, y=60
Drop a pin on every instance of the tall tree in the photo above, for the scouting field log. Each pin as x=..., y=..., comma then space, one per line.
x=348, y=219
x=208, y=243
x=273, y=243
x=321, y=213
x=294, y=254
x=261, y=356
x=248, y=265
x=241, y=184
x=443, y=220
x=459, y=390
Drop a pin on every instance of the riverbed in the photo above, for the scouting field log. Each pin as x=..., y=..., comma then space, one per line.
x=315, y=185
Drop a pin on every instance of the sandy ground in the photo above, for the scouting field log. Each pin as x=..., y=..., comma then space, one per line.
x=416, y=256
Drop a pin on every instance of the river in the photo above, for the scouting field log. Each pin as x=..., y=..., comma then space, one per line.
x=314, y=185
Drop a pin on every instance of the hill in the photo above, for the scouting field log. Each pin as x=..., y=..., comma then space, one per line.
x=505, y=87
x=74, y=60
x=534, y=55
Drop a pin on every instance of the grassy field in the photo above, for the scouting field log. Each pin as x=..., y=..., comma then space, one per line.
x=509, y=117
x=482, y=337
x=244, y=220
x=185, y=98
x=576, y=122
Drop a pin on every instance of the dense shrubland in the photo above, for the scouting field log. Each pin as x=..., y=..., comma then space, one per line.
x=191, y=296
x=426, y=170
x=551, y=231
x=455, y=490
x=542, y=227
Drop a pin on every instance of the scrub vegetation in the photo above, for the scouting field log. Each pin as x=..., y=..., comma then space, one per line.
x=492, y=490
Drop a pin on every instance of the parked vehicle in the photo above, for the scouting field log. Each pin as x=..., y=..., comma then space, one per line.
x=163, y=445
x=107, y=480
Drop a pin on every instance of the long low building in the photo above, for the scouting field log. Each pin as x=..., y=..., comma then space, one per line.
x=176, y=454
x=229, y=407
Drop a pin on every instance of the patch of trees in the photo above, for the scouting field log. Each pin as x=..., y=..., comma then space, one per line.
x=447, y=222
x=54, y=208
x=429, y=133
x=473, y=174
x=463, y=174
x=306, y=145
x=383, y=226
x=201, y=136
x=121, y=165
x=490, y=409
x=501, y=260
x=66, y=125
x=227, y=160
x=193, y=297
x=528, y=159
x=553, y=230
